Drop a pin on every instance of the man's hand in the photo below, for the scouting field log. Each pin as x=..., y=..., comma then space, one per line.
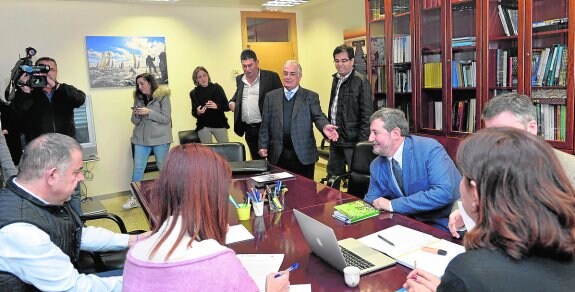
x=455, y=223
x=382, y=204
x=263, y=152
x=232, y=106
x=134, y=238
x=23, y=80
x=330, y=131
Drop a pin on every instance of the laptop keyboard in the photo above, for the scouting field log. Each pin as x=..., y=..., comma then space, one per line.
x=352, y=259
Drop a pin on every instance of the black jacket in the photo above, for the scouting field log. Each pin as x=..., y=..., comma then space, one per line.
x=354, y=108
x=269, y=81
x=38, y=115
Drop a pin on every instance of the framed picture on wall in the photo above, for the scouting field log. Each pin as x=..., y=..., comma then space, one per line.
x=115, y=61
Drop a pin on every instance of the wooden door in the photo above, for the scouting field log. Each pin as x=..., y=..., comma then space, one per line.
x=272, y=35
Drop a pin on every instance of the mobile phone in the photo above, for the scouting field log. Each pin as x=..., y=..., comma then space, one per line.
x=135, y=107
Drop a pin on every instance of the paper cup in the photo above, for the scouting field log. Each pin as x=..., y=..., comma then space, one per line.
x=351, y=276
x=258, y=208
x=244, y=212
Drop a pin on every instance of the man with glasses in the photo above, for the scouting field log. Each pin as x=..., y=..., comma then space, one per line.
x=350, y=106
x=49, y=109
x=286, y=135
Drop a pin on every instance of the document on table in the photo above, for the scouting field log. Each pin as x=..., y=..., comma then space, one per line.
x=238, y=233
x=272, y=177
x=260, y=265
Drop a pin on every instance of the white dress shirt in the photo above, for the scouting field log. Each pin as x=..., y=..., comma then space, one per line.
x=250, y=101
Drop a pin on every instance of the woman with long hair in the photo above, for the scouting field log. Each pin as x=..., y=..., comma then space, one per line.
x=523, y=206
x=151, y=116
x=186, y=251
x=209, y=104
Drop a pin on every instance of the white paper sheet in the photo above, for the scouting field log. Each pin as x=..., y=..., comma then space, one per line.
x=260, y=265
x=300, y=288
x=238, y=233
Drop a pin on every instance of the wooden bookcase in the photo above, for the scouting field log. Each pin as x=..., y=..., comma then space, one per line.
x=464, y=52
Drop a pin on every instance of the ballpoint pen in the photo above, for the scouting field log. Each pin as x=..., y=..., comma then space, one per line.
x=291, y=268
x=386, y=240
x=233, y=201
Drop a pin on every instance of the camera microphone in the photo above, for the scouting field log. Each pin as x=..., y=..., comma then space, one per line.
x=35, y=69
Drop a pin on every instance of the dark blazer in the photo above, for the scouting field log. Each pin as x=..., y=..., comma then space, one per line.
x=269, y=81
x=306, y=110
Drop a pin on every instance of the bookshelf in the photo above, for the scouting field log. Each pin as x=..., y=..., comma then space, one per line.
x=464, y=52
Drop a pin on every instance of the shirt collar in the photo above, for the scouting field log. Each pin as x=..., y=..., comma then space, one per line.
x=293, y=91
x=344, y=78
x=398, y=154
x=28, y=191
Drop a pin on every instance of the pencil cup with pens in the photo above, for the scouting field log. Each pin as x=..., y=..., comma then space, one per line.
x=276, y=197
x=257, y=200
x=243, y=209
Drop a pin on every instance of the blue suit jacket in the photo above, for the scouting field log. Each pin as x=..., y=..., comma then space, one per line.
x=306, y=112
x=430, y=179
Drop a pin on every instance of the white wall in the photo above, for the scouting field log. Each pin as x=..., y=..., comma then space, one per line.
x=205, y=36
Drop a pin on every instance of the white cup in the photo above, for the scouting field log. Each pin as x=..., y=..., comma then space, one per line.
x=258, y=208
x=351, y=276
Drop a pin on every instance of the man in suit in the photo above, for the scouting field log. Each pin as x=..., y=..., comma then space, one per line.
x=412, y=175
x=350, y=106
x=286, y=134
x=248, y=101
x=515, y=111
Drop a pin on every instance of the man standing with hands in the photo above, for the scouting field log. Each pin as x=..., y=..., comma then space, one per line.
x=248, y=101
x=286, y=135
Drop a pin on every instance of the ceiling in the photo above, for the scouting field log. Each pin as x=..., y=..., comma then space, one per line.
x=207, y=3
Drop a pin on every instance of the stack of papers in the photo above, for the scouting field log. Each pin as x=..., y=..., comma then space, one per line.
x=406, y=249
x=272, y=177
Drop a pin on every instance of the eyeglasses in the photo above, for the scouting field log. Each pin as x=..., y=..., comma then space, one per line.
x=342, y=61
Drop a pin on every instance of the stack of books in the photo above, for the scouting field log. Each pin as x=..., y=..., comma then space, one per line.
x=354, y=211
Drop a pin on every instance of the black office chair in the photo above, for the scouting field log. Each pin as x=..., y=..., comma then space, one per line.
x=188, y=136
x=96, y=262
x=231, y=151
x=358, y=176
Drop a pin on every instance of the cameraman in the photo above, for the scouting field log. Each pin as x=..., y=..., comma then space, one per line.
x=49, y=109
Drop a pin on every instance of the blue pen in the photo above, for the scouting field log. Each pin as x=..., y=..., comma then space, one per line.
x=293, y=267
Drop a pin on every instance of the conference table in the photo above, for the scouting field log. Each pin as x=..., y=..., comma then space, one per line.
x=280, y=233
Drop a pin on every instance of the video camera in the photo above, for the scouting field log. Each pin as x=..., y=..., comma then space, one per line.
x=26, y=66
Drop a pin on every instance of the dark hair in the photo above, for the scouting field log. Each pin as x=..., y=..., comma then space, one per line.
x=192, y=185
x=248, y=54
x=392, y=118
x=526, y=202
x=197, y=71
x=344, y=49
x=46, y=59
x=153, y=84
x=52, y=150
x=517, y=104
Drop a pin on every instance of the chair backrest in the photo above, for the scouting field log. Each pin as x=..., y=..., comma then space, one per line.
x=232, y=151
x=188, y=136
x=361, y=159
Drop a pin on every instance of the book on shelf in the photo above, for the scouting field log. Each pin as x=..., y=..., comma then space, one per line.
x=550, y=24
x=407, y=248
x=503, y=17
x=438, y=109
x=354, y=211
x=551, y=113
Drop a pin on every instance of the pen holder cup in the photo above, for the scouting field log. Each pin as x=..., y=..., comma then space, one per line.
x=277, y=204
x=259, y=208
x=244, y=213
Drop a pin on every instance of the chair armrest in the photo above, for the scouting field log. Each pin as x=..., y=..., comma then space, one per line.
x=108, y=216
x=334, y=179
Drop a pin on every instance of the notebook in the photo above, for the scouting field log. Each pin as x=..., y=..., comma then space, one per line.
x=340, y=254
x=354, y=211
x=407, y=248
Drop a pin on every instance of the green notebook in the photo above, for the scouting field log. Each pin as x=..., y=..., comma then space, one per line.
x=354, y=211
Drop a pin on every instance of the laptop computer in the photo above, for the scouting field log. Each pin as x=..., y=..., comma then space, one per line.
x=340, y=254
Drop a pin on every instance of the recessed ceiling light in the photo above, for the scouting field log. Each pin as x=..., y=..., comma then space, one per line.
x=284, y=3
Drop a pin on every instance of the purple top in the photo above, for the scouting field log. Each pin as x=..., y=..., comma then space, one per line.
x=220, y=271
